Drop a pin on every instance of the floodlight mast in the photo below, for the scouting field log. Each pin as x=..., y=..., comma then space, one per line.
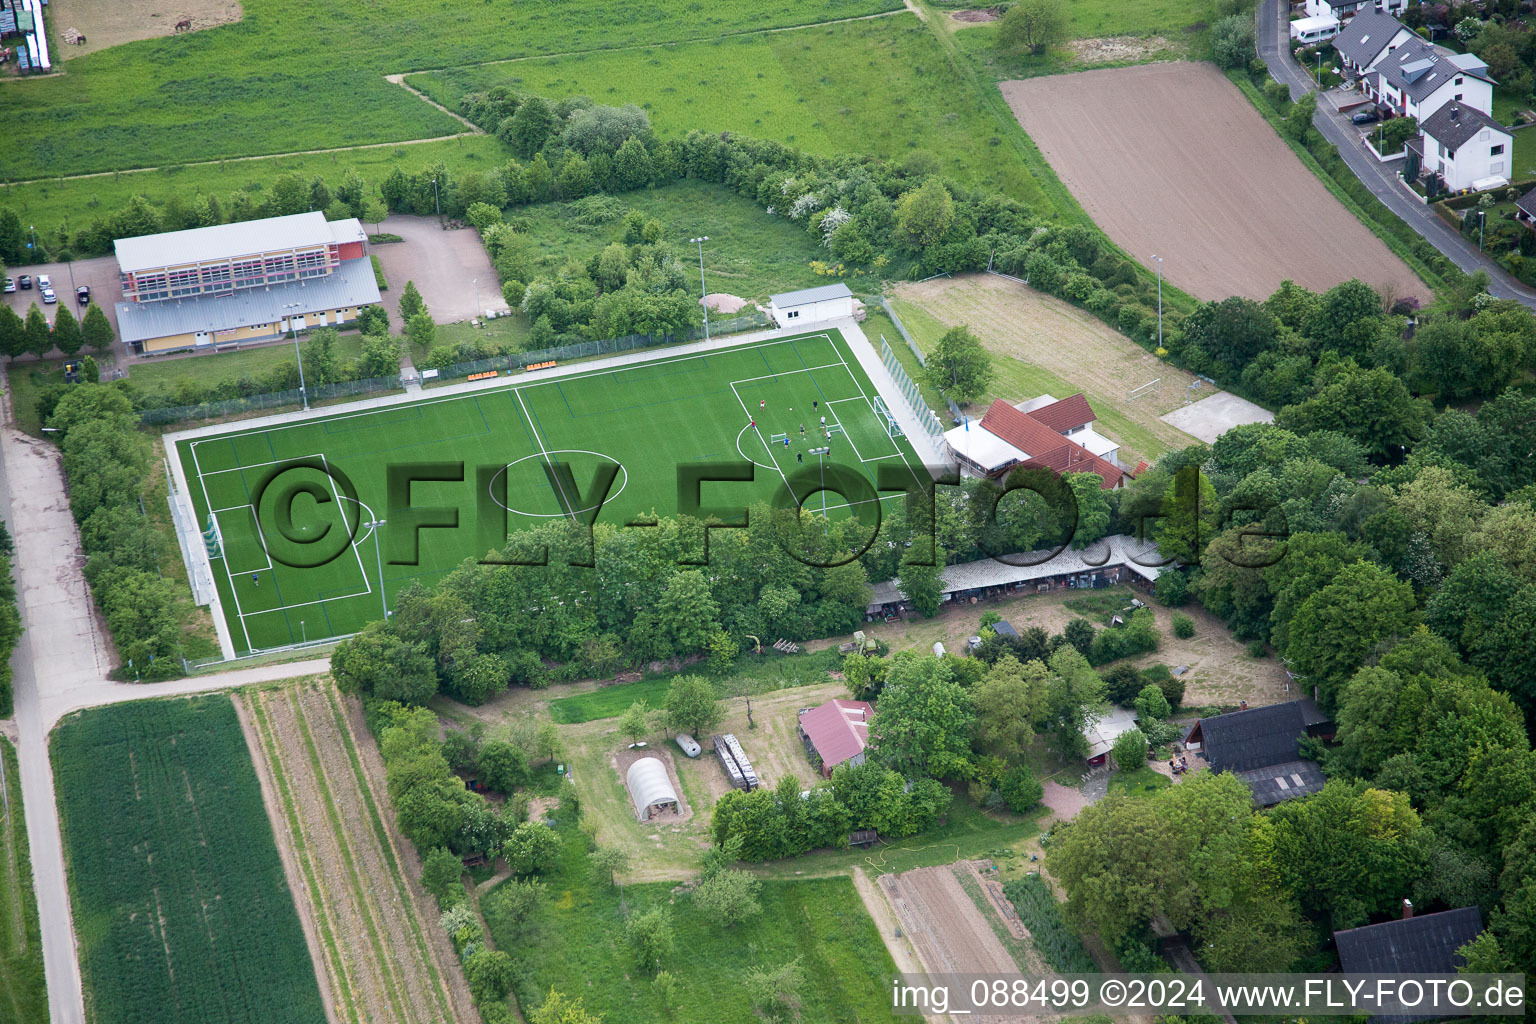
x=703, y=290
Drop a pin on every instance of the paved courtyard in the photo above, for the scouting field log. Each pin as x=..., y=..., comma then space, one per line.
x=1211, y=417
x=450, y=268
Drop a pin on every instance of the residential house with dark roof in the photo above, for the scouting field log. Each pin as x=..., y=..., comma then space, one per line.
x=1039, y=433
x=1412, y=945
x=1368, y=38
x=1262, y=746
x=1417, y=78
x=1465, y=147
x=836, y=732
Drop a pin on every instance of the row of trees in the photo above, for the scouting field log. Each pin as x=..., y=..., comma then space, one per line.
x=107, y=461
x=34, y=336
x=10, y=621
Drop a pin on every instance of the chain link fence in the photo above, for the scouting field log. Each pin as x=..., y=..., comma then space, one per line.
x=270, y=400
x=607, y=346
x=925, y=416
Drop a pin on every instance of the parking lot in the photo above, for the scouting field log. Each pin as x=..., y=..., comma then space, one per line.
x=450, y=268
x=99, y=274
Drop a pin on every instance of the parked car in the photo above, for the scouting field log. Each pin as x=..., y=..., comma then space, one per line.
x=1366, y=117
x=83, y=295
x=44, y=281
x=25, y=280
x=49, y=296
x=10, y=285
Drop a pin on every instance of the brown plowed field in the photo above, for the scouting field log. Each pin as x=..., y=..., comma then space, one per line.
x=947, y=928
x=1172, y=159
x=352, y=877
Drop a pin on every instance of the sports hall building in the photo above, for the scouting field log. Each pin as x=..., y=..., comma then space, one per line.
x=230, y=284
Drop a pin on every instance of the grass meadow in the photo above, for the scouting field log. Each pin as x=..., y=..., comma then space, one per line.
x=302, y=74
x=22, y=993
x=819, y=921
x=882, y=86
x=52, y=202
x=182, y=912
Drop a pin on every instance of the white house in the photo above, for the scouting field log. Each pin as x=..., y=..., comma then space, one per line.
x=1314, y=30
x=1466, y=147
x=1368, y=38
x=1416, y=79
x=811, y=305
x=1346, y=9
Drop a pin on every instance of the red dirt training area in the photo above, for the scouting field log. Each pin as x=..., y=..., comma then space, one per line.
x=1172, y=159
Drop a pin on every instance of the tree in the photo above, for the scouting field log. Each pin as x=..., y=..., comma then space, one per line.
x=773, y=989
x=66, y=332
x=490, y=974
x=558, y=1008
x=1130, y=750
x=958, y=367
x=530, y=127
x=924, y=215
x=1298, y=116
x=411, y=302
x=441, y=871
x=686, y=612
x=1019, y=788
x=532, y=849
x=1032, y=25
x=512, y=908
x=1233, y=41
x=1336, y=628
x=1191, y=514
x=923, y=587
x=1093, y=510
x=635, y=721
x=1349, y=851
x=632, y=166
x=722, y=649
x=1230, y=333
x=95, y=329
x=729, y=895
x=374, y=212
x=502, y=766
x=421, y=331
x=692, y=706
x=13, y=332
x=37, y=337
x=1009, y=701
x=925, y=720
x=379, y=664
x=574, y=179
x=1151, y=704
x=651, y=936
x=609, y=860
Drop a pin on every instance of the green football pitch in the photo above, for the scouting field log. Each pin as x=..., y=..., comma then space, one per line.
x=298, y=555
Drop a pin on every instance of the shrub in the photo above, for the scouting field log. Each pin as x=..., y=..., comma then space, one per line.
x=1258, y=649
x=1019, y=788
x=1151, y=705
x=1172, y=589
x=1122, y=683
x=1183, y=626
x=1130, y=750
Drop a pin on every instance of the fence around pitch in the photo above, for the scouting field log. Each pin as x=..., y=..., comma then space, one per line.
x=269, y=400
x=925, y=416
x=604, y=347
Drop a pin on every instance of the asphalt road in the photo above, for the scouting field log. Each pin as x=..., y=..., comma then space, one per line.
x=1381, y=179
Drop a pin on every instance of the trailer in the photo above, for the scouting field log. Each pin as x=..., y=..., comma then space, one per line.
x=734, y=760
x=859, y=645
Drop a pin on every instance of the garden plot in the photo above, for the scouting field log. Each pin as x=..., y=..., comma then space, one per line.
x=1172, y=159
x=371, y=926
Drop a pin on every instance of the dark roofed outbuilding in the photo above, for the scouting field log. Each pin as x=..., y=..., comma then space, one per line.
x=1411, y=945
x=1262, y=746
